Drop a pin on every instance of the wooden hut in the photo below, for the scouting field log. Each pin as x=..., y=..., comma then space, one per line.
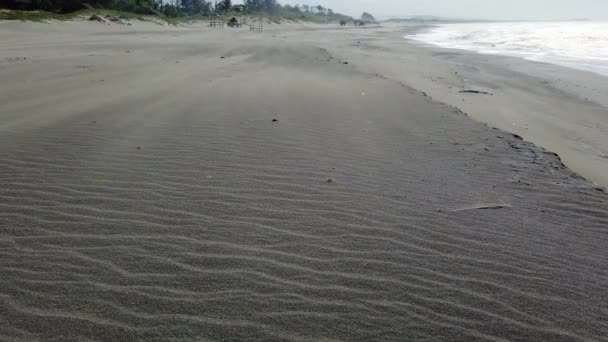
x=233, y=22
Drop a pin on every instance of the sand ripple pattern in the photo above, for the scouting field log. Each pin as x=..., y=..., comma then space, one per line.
x=197, y=218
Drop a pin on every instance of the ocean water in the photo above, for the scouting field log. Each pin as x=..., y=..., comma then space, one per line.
x=576, y=44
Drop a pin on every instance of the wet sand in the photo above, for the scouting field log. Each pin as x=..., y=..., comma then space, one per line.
x=303, y=187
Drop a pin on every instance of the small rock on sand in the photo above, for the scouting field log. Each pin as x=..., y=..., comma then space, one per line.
x=330, y=180
x=139, y=147
x=275, y=120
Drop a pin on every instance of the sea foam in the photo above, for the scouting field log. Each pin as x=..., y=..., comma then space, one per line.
x=577, y=44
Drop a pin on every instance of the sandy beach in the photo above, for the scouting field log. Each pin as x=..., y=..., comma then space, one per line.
x=305, y=183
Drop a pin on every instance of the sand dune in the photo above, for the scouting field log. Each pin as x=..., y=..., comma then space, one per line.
x=150, y=196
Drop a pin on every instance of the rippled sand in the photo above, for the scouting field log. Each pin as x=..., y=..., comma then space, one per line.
x=147, y=194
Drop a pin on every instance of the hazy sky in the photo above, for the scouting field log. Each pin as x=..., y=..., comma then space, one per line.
x=482, y=9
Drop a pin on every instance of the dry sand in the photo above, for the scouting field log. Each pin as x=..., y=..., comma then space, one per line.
x=147, y=194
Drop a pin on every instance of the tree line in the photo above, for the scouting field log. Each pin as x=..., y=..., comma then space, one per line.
x=177, y=8
x=303, y=11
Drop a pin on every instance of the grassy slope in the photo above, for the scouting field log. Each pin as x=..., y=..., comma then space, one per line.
x=42, y=16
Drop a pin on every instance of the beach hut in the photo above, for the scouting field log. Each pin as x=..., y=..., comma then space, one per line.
x=233, y=22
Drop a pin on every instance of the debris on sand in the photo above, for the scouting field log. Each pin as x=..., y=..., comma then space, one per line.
x=330, y=180
x=484, y=207
x=113, y=19
x=475, y=92
x=95, y=17
x=139, y=147
x=275, y=120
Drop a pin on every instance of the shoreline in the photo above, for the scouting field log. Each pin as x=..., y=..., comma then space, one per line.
x=549, y=92
x=304, y=183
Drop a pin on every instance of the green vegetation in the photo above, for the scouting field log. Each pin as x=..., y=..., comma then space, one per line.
x=304, y=13
x=171, y=11
x=367, y=17
x=37, y=16
x=42, y=16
